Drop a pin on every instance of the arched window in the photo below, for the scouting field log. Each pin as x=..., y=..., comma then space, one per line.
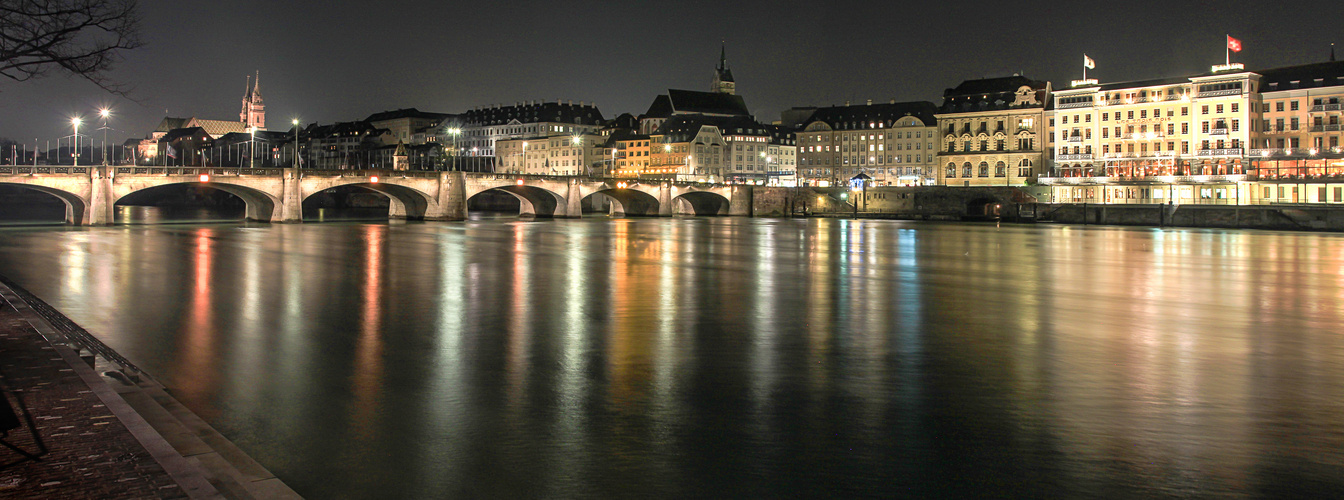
x=966, y=169
x=1024, y=168
x=951, y=170
x=984, y=169
x=1000, y=169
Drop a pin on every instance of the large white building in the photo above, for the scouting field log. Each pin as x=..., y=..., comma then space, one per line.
x=475, y=132
x=1229, y=136
x=892, y=143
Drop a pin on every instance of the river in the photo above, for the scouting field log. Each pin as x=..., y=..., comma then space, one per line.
x=730, y=357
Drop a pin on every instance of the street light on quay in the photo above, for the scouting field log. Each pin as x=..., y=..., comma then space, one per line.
x=454, y=131
x=75, y=122
x=296, y=142
x=106, y=114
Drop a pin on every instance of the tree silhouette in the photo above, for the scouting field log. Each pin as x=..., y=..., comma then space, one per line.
x=80, y=37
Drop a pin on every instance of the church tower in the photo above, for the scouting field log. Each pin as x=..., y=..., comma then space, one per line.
x=723, y=77
x=254, y=111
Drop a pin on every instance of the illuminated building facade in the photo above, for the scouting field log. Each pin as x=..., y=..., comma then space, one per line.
x=991, y=132
x=558, y=154
x=893, y=143
x=1226, y=137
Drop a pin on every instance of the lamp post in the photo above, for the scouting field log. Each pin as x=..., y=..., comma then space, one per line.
x=454, y=131
x=296, y=142
x=252, y=145
x=578, y=142
x=75, y=144
x=106, y=114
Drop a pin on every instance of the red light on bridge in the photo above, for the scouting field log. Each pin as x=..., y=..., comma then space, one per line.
x=520, y=182
x=205, y=177
x=373, y=179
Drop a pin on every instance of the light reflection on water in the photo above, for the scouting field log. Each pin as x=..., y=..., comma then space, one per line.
x=730, y=357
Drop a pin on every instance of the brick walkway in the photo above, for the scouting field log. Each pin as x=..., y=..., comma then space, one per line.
x=88, y=452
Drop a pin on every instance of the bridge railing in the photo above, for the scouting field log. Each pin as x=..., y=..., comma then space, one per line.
x=44, y=170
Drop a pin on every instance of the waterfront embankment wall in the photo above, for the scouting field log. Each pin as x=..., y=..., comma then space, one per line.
x=1281, y=217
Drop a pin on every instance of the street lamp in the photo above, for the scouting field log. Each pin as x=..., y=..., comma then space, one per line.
x=252, y=145
x=296, y=142
x=454, y=131
x=75, y=122
x=107, y=115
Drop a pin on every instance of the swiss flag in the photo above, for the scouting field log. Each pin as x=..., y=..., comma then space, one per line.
x=1233, y=44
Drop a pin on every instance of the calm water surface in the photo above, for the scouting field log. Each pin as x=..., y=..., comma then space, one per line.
x=715, y=357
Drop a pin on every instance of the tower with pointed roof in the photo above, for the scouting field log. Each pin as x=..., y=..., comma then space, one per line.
x=723, y=77
x=254, y=111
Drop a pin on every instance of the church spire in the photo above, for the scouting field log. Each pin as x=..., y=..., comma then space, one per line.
x=256, y=85
x=723, y=77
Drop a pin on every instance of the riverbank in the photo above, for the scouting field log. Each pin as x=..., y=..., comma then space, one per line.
x=88, y=424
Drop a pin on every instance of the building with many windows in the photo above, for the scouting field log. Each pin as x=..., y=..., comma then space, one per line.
x=475, y=132
x=1225, y=137
x=892, y=143
x=556, y=154
x=991, y=132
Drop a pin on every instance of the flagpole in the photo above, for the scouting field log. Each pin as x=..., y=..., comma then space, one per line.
x=1227, y=49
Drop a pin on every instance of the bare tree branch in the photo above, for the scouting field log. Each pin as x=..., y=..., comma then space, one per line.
x=82, y=37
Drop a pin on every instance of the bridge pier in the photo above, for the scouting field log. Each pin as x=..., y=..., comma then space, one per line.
x=573, y=200
x=101, y=210
x=740, y=202
x=450, y=198
x=291, y=197
x=665, y=199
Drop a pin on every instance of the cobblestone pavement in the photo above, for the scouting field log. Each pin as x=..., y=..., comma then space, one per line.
x=82, y=450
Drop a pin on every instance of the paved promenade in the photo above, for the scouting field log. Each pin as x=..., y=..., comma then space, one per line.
x=84, y=424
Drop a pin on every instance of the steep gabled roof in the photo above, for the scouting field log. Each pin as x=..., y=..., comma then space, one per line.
x=660, y=108
x=168, y=124
x=216, y=128
x=709, y=103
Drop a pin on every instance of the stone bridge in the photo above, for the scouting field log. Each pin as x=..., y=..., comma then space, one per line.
x=276, y=195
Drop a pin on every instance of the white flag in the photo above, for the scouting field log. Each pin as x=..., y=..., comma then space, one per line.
x=1088, y=62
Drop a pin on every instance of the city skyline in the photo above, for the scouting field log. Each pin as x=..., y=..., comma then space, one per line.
x=318, y=71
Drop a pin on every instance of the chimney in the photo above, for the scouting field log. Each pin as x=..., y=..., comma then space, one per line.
x=870, y=102
x=846, y=103
x=893, y=100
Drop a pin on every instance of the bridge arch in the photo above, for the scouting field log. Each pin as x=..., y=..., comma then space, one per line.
x=76, y=207
x=404, y=202
x=261, y=206
x=629, y=201
x=700, y=203
x=536, y=197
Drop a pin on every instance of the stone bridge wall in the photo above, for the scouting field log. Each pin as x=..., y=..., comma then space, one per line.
x=277, y=195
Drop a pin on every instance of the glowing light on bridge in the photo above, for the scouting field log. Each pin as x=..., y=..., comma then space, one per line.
x=520, y=182
x=373, y=179
x=205, y=177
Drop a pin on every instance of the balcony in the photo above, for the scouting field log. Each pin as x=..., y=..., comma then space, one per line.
x=1074, y=138
x=1325, y=107
x=1218, y=131
x=1325, y=128
x=1143, y=136
x=1219, y=152
x=1072, y=105
x=1216, y=93
x=1074, y=157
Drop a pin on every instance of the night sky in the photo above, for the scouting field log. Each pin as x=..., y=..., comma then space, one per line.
x=341, y=61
